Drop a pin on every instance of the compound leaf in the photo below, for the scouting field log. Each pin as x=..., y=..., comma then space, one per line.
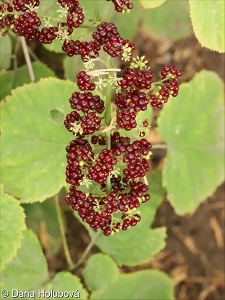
x=12, y=225
x=150, y=284
x=192, y=125
x=33, y=142
x=28, y=270
x=209, y=28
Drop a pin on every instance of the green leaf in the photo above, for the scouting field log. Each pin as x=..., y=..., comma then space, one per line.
x=192, y=125
x=67, y=285
x=171, y=20
x=151, y=3
x=49, y=9
x=144, y=242
x=42, y=219
x=12, y=79
x=55, y=46
x=12, y=225
x=156, y=191
x=106, y=10
x=71, y=65
x=127, y=25
x=105, y=271
x=28, y=270
x=32, y=143
x=150, y=284
x=208, y=23
x=5, y=52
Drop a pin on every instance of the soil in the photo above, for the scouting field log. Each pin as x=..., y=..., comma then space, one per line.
x=194, y=254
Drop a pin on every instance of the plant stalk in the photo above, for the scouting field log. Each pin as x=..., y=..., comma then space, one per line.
x=62, y=232
x=159, y=146
x=108, y=114
x=87, y=250
x=27, y=58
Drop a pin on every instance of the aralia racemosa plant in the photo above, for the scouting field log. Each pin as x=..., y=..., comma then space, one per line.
x=106, y=166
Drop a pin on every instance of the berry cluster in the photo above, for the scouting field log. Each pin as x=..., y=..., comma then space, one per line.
x=112, y=167
x=83, y=82
x=135, y=85
x=98, y=211
x=126, y=119
x=141, y=79
x=100, y=171
x=137, y=155
x=86, y=102
x=171, y=80
x=122, y=5
x=114, y=193
x=6, y=19
x=138, y=90
x=25, y=21
x=106, y=35
x=90, y=105
x=98, y=139
x=127, y=192
x=79, y=152
x=114, y=46
x=47, y=35
x=23, y=5
x=87, y=50
x=30, y=31
x=132, y=100
x=90, y=123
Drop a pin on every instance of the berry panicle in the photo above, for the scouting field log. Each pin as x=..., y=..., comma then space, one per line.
x=103, y=156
